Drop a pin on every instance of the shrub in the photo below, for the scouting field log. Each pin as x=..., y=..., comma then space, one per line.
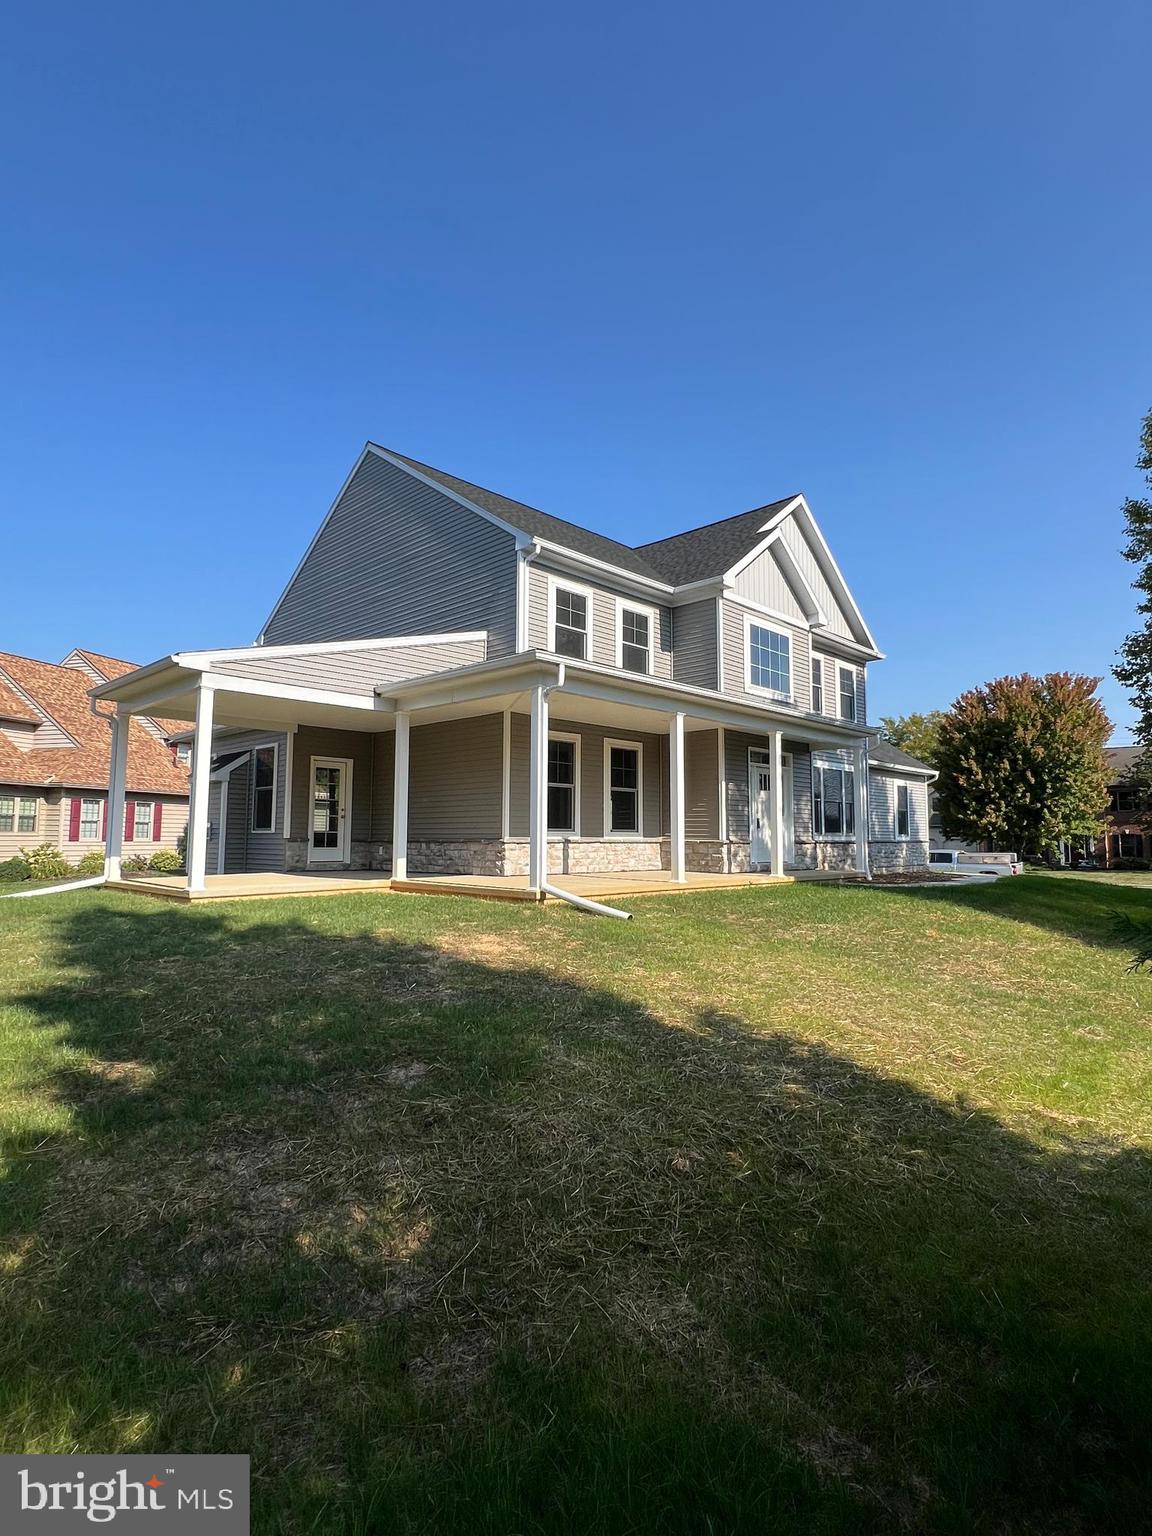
x=134, y=864
x=45, y=862
x=1129, y=864
x=13, y=869
x=166, y=861
x=92, y=863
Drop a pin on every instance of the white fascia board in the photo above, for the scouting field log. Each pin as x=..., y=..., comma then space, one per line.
x=322, y=647
x=221, y=682
x=771, y=530
x=903, y=770
x=829, y=640
x=477, y=680
x=121, y=687
x=521, y=536
x=560, y=552
x=795, y=578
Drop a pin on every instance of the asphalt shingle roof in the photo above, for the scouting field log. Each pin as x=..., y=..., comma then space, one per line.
x=885, y=752
x=691, y=556
x=1122, y=759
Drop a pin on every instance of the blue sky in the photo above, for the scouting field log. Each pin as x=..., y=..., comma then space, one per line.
x=641, y=266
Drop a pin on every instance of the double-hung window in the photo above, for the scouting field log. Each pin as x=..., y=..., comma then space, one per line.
x=903, y=816
x=17, y=813
x=817, y=685
x=847, y=693
x=571, y=614
x=264, y=789
x=1127, y=845
x=89, y=819
x=769, y=660
x=142, y=821
x=562, y=790
x=636, y=626
x=622, y=772
x=833, y=801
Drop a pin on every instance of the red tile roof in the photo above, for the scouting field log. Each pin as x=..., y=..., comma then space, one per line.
x=62, y=694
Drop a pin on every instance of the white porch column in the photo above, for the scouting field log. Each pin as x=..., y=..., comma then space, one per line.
x=776, y=795
x=676, y=794
x=860, y=780
x=197, y=850
x=400, y=797
x=538, y=791
x=117, y=774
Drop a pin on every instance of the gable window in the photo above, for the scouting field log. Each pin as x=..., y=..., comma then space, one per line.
x=902, y=810
x=17, y=813
x=622, y=788
x=183, y=752
x=635, y=638
x=89, y=819
x=817, y=685
x=264, y=789
x=847, y=693
x=571, y=611
x=769, y=660
x=563, y=758
x=833, y=801
x=142, y=821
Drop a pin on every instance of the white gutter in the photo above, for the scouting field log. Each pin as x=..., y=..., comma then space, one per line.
x=52, y=890
x=597, y=908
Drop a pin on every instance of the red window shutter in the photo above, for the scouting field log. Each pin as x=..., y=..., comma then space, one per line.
x=157, y=821
x=74, y=821
x=129, y=820
x=104, y=820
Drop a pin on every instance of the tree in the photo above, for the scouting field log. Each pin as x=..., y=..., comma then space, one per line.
x=917, y=734
x=1021, y=763
x=1134, y=670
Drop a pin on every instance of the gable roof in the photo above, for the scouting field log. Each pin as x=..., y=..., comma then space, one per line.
x=62, y=694
x=713, y=549
x=110, y=668
x=888, y=756
x=1122, y=760
x=13, y=707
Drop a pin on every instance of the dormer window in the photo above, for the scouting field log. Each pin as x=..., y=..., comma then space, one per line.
x=570, y=617
x=635, y=628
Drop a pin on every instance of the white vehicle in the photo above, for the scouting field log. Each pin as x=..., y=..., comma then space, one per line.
x=975, y=863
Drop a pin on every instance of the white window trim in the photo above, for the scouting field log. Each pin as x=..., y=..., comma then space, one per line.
x=261, y=746
x=558, y=836
x=559, y=584
x=18, y=798
x=842, y=667
x=897, y=835
x=638, y=748
x=653, y=615
x=776, y=629
x=90, y=837
x=818, y=766
x=136, y=804
x=813, y=658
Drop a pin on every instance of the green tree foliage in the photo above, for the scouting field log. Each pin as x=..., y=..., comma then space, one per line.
x=1021, y=762
x=1134, y=669
x=918, y=734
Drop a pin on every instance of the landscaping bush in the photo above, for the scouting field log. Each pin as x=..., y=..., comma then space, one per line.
x=134, y=864
x=1130, y=864
x=92, y=863
x=13, y=869
x=166, y=861
x=45, y=862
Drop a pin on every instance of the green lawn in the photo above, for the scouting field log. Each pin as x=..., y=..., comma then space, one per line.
x=1141, y=878
x=802, y=1209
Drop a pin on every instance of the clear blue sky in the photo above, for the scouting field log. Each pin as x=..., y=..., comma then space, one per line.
x=643, y=266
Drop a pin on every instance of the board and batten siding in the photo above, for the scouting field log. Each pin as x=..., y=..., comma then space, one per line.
x=397, y=557
x=592, y=737
x=353, y=671
x=805, y=556
x=736, y=664
x=603, y=619
x=694, y=635
x=763, y=581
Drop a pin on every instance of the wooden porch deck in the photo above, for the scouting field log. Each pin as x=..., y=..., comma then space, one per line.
x=484, y=887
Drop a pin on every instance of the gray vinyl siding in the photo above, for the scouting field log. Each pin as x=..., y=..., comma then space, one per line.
x=237, y=834
x=603, y=621
x=397, y=557
x=316, y=741
x=832, y=665
x=455, y=787
x=701, y=789
x=383, y=784
x=212, y=844
x=805, y=557
x=882, y=806
x=736, y=747
x=592, y=738
x=694, y=659
x=763, y=581
x=735, y=662
x=357, y=671
x=263, y=851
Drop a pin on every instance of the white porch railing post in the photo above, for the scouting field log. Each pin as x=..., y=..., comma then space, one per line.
x=776, y=796
x=538, y=791
x=197, y=850
x=117, y=778
x=676, y=795
x=860, y=785
x=400, y=797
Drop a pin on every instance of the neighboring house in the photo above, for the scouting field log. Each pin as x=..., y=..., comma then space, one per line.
x=54, y=759
x=455, y=682
x=1127, y=831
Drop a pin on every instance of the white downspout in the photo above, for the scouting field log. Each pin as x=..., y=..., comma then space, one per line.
x=596, y=907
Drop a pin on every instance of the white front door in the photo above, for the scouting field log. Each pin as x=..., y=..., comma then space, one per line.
x=330, y=827
x=760, y=809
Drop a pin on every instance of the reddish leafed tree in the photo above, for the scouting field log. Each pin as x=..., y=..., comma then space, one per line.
x=1021, y=763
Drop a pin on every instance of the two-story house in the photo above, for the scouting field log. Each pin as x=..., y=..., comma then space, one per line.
x=453, y=682
x=1127, y=830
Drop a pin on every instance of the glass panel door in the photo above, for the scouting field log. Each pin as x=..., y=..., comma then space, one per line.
x=328, y=826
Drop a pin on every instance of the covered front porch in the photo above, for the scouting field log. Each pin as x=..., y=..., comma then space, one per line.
x=506, y=776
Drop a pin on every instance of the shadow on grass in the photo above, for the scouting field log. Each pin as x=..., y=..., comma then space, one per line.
x=450, y=1241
